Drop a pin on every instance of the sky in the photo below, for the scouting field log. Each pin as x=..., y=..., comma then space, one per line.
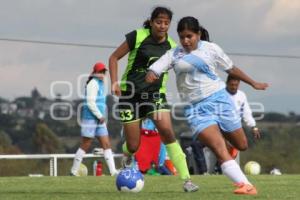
x=239, y=26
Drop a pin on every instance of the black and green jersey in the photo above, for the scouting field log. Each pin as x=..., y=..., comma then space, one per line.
x=144, y=51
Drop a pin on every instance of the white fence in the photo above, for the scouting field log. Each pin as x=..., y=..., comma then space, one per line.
x=52, y=158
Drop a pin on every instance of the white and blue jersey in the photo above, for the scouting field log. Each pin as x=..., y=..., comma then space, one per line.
x=94, y=108
x=195, y=71
x=198, y=83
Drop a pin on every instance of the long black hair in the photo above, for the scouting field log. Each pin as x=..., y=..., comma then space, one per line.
x=89, y=79
x=155, y=13
x=92, y=76
x=192, y=24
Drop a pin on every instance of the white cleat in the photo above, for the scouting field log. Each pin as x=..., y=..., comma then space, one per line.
x=116, y=173
x=189, y=186
x=127, y=161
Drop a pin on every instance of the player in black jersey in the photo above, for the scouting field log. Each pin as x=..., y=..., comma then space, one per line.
x=139, y=99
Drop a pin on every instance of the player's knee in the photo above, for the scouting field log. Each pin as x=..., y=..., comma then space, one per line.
x=106, y=145
x=243, y=146
x=85, y=146
x=166, y=131
x=168, y=137
x=132, y=148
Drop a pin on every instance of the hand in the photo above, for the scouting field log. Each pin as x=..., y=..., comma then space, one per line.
x=101, y=120
x=256, y=133
x=115, y=89
x=151, y=77
x=260, y=86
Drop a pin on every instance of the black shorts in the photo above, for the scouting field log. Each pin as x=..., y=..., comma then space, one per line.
x=140, y=105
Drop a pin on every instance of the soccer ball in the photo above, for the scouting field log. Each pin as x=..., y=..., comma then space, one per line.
x=130, y=180
x=252, y=168
x=82, y=171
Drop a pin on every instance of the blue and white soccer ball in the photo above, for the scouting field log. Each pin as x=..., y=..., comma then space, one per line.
x=130, y=180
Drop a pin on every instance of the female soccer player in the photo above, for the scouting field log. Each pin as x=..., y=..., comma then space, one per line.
x=209, y=108
x=139, y=99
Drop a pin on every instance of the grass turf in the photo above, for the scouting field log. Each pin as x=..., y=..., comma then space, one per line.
x=215, y=187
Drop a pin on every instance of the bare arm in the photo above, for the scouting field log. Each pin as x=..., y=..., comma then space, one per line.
x=119, y=53
x=151, y=77
x=235, y=71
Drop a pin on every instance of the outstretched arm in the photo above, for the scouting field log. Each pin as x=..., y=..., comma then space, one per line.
x=236, y=72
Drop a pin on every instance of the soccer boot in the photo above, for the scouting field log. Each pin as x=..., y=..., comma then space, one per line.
x=116, y=173
x=189, y=186
x=245, y=189
x=72, y=174
x=127, y=161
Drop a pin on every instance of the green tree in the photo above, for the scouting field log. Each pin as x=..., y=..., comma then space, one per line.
x=45, y=140
x=6, y=146
x=5, y=140
x=275, y=117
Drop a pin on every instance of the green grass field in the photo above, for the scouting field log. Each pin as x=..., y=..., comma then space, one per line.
x=213, y=187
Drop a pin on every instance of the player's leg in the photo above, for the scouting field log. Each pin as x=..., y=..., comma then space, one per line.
x=232, y=150
x=132, y=136
x=212, y=137
x=230, y=123
x=103, y=138
x=88, y=128
x=81, y=151
x=132, y=142
x=237, y=139
x=163, y=123
x=130, y=116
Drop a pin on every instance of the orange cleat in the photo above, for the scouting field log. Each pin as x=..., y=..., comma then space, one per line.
x=245, y=189
x=233, y=152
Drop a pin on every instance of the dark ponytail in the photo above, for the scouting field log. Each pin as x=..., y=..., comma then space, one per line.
x=204, y=34
x=146, y=24
x=89, y=79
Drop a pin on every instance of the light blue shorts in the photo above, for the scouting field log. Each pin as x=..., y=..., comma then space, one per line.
x=215, y=109
x=91, y=128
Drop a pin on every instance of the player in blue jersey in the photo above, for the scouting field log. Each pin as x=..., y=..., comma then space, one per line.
x=209, y=109
x=93, y=120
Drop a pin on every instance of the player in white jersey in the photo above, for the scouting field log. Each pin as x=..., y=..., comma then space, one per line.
x=242, y=107
x=209, y=108
x=241, y=104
